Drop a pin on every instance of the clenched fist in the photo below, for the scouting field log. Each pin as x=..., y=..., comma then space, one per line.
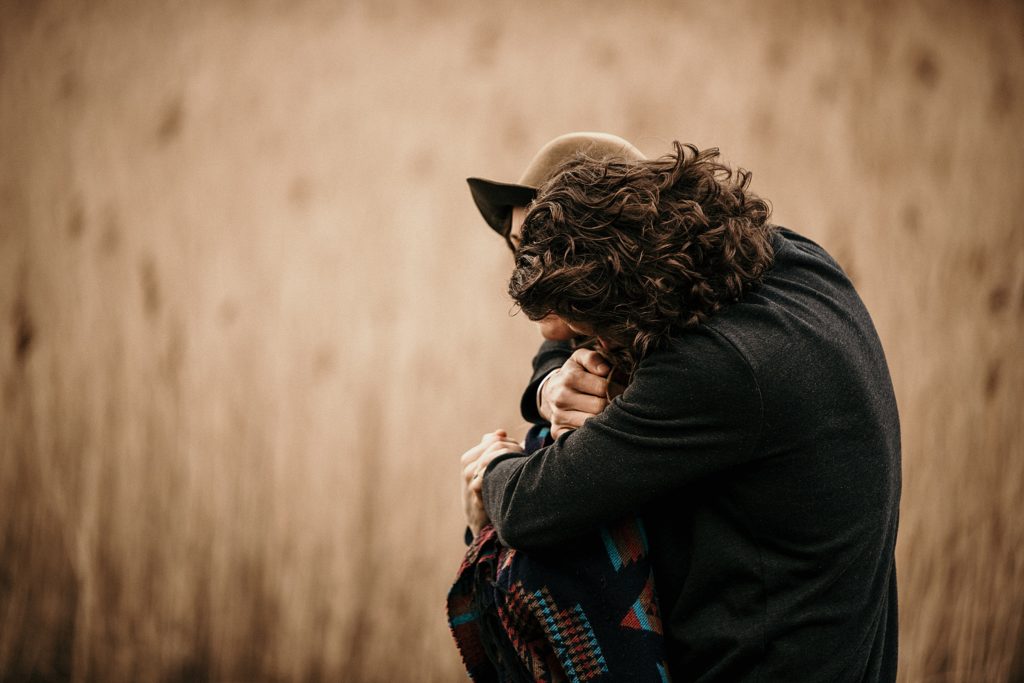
x=575, y=392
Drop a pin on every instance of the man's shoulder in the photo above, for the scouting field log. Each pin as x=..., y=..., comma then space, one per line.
x=699, y=377
x=701, y=359
x=704, y=344
x=804, y=294
x=797, y=255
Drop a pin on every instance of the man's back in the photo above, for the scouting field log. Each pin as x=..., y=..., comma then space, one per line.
x=781, y=566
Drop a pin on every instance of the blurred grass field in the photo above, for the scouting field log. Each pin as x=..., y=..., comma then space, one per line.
x=251, y=317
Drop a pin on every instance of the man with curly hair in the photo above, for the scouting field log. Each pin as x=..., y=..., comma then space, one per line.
x=758, y=438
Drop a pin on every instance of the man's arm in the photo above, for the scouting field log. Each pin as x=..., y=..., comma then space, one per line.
x=690, y=412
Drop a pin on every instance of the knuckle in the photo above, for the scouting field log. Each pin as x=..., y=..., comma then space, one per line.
x=570, y=384
x=581, y=382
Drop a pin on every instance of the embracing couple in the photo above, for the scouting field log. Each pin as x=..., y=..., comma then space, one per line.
x=711, y=488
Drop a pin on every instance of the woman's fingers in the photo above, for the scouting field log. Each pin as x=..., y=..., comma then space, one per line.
x=577, y=380
x=472, y=454
x=592, y=361
x=487, y=439
x=583, y=403
x=557, y=431
x=492, y=452
x=477, y=458
x=503, y=445
x=575, y=386
x=473, y=462
x=568, y=419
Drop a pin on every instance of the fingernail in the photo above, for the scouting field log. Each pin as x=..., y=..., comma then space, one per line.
x=602, y=368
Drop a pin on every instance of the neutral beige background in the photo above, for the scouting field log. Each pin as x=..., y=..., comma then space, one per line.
x=250, y=317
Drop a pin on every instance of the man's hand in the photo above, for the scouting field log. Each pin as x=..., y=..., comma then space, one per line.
x=575, y=392
x=474, y=462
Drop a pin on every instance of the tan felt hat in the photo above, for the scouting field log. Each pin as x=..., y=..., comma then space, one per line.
x=495, y=200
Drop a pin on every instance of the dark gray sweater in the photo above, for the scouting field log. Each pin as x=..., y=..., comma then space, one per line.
x=762, y=450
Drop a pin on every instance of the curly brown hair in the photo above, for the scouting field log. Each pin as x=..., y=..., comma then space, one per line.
x=640, y=249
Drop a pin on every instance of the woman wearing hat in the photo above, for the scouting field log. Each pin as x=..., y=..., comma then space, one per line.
x=588, y=611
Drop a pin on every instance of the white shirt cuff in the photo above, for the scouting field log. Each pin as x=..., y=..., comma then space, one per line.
x=540, y=388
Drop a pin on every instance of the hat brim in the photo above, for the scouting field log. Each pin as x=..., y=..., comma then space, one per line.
x=495, y=200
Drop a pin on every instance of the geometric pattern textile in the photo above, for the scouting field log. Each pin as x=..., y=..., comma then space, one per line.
x=583, y=612
x=644, y=615
x=625, y=542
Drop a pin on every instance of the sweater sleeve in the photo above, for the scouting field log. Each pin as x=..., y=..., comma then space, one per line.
x=691, y=412
x=550, y=356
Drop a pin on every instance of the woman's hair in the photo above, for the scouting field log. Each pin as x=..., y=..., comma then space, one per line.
x=639, y=249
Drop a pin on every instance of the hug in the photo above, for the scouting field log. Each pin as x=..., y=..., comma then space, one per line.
x=713, y=412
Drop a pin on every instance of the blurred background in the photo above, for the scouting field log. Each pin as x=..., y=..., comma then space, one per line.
x=251, y=317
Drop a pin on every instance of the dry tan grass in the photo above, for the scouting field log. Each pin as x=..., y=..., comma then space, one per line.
x=250, y=317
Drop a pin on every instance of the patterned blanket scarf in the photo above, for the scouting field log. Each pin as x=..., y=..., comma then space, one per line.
x=585, y=613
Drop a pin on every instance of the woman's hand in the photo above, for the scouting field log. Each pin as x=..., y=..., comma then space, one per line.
x=474, y=462
x=575, y=392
